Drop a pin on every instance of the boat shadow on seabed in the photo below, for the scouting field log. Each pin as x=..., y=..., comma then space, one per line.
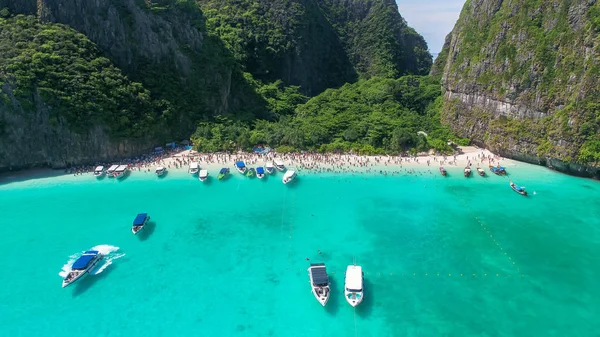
x=334, y=303
x=148, y=229
x=89, y=280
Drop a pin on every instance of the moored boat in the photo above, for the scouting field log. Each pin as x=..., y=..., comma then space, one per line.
x=289, y=176
x=443, y=171
x=518, y=189
x=353, y=288
x=250, y=173
x=240, y=166
x=121, y=172
x=194, y=168
x=260, y=172
x=203, y=175
x=481, y=171
x=111, y=170
x=279, y=165
x=160, y=171
x=99, y=172
x=223, y=173
x=319, y=282
x=498, y=170
x=82, y=266
x=467, y=172
x=139, y=222
x=269, y=168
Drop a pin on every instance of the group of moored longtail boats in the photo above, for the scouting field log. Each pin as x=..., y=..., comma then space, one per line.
x=260, y=172
x=353, y=285
x=498, y=170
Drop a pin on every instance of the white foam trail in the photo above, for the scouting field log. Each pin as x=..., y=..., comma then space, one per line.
x=106, y=250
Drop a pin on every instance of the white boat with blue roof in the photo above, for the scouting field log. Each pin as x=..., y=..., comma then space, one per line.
x=139, y=222
x=319, y=282
x=260, y=172
x=82, y=266
x=240, y=166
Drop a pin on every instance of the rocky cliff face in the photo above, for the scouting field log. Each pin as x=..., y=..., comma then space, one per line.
x=521, y=77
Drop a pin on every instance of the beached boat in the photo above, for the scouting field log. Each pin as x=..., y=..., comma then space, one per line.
x=353, y=288
x=250, y=173
x=160, y=171
x=194, y=168
x=289, y=176
x=481, y=171
x=139, y=222
x=121, y=172
x=223, y=173
x=203, y=175
x=467, y=172
x=99, y=171
x=279, y=165
x=518, y=189
x=82, y=266
x=443, y=171
x=319, y=282
x=269, y=168
x=111, y=170
x=260, y=172
x=240, y=166
x=498, y=170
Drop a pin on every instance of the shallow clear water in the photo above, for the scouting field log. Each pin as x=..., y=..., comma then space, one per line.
x=442, y=256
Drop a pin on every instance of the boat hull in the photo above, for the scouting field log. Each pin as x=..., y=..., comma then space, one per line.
x=203, y=178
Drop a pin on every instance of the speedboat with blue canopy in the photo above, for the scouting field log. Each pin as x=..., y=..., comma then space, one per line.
x=518, y=189
x=260, y=172
x=319, y=282
x=498, y=170
x=241, y=167
x=139, y=222
x=82, y=266
x=223, y=173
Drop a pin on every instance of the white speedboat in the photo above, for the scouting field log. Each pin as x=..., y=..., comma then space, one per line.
x=269, y=168
x=289, y=176
x=260, y=172
x=82, y=266
x=194, y=168
x=279, y=165
x=99, y=171
x=319, y=282
x=240, y=166
x=203, y=175
x=161, y=171
x=111, y=170
x=353, y=288
x=139, y=222
x=121, y=172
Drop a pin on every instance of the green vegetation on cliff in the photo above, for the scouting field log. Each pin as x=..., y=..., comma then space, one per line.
x=535, y=63
x=371, y=116
x=50, y=66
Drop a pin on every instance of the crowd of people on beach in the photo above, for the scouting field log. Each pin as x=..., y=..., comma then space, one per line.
x=180, y=158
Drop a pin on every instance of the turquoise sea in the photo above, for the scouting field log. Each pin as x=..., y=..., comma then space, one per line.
x=442, y=256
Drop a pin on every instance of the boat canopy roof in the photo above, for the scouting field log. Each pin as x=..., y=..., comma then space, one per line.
x=99, y=168
x=113, y=167
x=121, y=168
x=269, y=165
x=160, y=168
x=260, y=170
x=289, y=174
x=319, y=274
x=278, y=162
x=85, y=259
x=194, y=165
x=240, y=164
x=354, y=278
x=140, y=219
x=203, y=173
x=224, y=170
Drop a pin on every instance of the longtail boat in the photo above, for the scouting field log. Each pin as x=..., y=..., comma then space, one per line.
x=443, y=171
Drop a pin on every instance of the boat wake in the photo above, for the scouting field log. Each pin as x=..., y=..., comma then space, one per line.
x=109, y=252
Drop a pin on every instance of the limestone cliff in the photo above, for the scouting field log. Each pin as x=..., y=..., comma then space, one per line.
x=522, y=78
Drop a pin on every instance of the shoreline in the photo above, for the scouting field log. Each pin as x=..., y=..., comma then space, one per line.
x=178, y=161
